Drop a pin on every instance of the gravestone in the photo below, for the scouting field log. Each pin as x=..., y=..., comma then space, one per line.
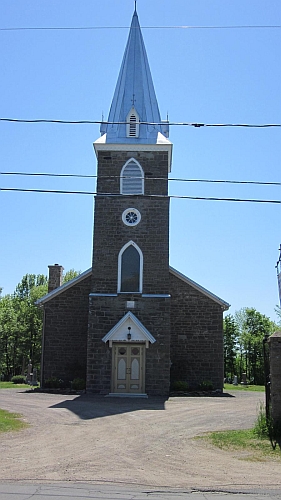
x=29, y=373
x=34, y=377
x=235, y=380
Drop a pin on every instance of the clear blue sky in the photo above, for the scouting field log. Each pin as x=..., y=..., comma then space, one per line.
x=200, y=75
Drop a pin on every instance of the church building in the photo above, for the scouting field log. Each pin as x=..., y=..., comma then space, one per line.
x=132, y=325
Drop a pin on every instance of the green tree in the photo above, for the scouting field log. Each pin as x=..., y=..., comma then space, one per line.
x=70, y=275
x=28, y=291
x=253, y=328
x=278, y=312
x=9, y=337
x=231, y=333
x=21, y=324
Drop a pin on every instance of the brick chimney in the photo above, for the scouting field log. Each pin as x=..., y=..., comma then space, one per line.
x=55, y=277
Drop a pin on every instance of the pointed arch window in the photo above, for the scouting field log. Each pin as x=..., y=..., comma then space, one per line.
x=130, y=267
x=132, y=178
x=133, y=123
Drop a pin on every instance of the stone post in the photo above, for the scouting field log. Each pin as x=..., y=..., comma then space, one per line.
x=29, y=372
x=275, y=375
x=55, y=277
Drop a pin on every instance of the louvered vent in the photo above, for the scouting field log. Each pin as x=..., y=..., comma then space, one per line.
x=133, y=126
x=133, y=123
x=132, y=182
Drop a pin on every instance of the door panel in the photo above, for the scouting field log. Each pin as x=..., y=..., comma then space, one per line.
x=128, y=368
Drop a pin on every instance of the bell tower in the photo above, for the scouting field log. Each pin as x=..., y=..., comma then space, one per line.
x=129, y=310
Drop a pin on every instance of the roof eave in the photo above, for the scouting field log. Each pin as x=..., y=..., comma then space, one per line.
x=63, y=288
x=224, y=305
x=162, y=144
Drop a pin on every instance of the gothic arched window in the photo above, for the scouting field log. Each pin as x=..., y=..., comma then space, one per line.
x=130, y=265
x=132, y=178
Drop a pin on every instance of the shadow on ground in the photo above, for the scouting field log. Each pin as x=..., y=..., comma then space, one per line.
x=88, y=406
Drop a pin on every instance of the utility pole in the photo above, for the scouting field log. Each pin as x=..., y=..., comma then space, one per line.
x=278, y=267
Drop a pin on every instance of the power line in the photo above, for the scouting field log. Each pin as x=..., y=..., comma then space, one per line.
x=180, y=124
x=177, y=179
x=56, y=191
x=181, y=27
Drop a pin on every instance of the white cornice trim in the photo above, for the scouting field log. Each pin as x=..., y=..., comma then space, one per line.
x=119, y=332
x=162, y=144
x=224, y=305
x=86, y=274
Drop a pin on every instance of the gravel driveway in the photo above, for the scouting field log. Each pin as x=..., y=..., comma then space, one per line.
x=139, y=441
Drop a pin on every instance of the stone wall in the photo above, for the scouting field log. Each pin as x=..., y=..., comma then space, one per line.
x=275, y=375
x=151, y=234
x=55, y=277
x=154, y=314
x=65, y=333
x=152, y=237
x=154, y=165
x=196, y=336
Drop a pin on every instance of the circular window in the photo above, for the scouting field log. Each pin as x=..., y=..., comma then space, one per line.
x=131, y=217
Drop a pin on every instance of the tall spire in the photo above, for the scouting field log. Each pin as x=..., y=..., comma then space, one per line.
x=134, y=95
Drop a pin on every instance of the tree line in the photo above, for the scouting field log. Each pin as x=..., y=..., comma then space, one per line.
x=244, y=336
x=21, y=325
x=21, y=329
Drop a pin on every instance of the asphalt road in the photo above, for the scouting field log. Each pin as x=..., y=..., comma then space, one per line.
x=17, y=491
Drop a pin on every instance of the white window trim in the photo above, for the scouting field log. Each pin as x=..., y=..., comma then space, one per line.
x=120, y=262
x=133, y=223
x=135, y=123
x=132, y=160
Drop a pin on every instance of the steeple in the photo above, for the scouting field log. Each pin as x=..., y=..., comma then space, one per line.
x=134, y=98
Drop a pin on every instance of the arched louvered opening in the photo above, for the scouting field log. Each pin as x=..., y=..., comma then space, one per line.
x=133, y=126
x=132, y=178
x=130, y=265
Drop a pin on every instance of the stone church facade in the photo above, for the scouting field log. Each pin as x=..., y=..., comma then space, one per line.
x=131, y=324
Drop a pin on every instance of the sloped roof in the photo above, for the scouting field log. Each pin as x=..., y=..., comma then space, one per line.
x=134, y=88
x=64, y=287
x=87, y=274
x=139, y=333
x=200, y=288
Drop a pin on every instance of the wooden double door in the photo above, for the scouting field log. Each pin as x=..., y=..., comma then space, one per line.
x=128, y=374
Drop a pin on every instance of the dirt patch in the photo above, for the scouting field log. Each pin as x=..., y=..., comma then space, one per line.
x=139, y=441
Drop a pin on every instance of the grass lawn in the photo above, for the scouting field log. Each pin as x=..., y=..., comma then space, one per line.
x=255, y=449
x=10, y=421
x=230, y=387
x=10, y=385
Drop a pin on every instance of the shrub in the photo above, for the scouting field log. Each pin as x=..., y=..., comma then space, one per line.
x=78, y=384
x=206, y=385
x=179, y=385
x=265, y=427
x=261, y=424
x=53, y=383
x=18, y=379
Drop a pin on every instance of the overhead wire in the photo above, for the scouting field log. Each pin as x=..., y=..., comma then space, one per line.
x=177, y=179
x=99, y=122
x=184, y=27
x=92, y=193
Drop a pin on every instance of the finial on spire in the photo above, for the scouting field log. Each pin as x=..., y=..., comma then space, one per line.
x=135, y=5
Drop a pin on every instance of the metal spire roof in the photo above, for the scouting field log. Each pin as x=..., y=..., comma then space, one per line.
x=134, y=90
